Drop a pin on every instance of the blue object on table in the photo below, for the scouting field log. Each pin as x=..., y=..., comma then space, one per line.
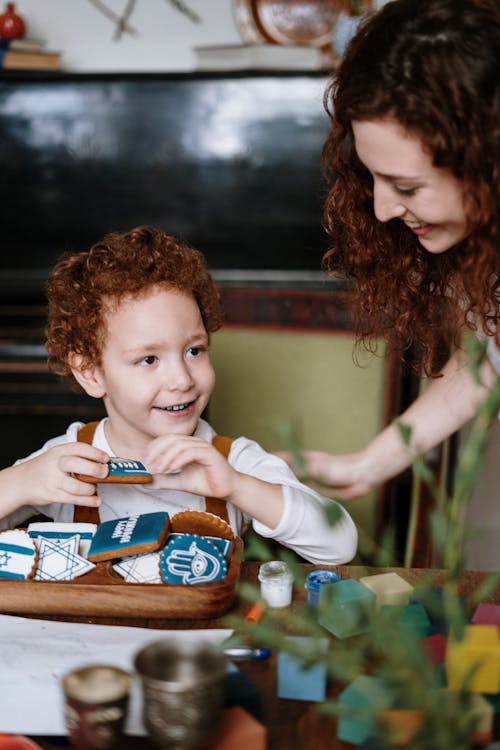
x=297, y=682
x=244, y=653
x=313, y=583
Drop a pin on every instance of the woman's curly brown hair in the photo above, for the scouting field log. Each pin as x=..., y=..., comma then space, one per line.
x=84, y=286
x=433, y=66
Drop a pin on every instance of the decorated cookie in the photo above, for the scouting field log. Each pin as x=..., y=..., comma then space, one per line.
x=133, y=535
x=17, y=554
x=60, y=531
x=58, y=559
x=140, y=568
x=201, y=523
x=191, y=559
x=122, y=470
x=223, y=545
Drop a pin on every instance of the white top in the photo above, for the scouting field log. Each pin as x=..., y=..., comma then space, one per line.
x=303, y=526
x=494, y=353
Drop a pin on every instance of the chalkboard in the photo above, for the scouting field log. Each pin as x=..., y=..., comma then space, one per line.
x=229, y=162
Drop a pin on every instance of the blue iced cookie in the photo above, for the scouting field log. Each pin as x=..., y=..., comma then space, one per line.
x=223, y=545
x=191, y=559
x=122, y=470
x=133, y=535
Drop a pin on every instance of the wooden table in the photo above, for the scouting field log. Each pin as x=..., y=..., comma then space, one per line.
x=290, y=723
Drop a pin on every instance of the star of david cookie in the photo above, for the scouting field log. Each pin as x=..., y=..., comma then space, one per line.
x=58, y=531
x=121, y=471
x=191, y=559
x=58, y=559
x=18, y=554
x=140, y=568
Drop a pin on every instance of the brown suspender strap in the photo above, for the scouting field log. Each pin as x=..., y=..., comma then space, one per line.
x=213, y=505
x=81, y=513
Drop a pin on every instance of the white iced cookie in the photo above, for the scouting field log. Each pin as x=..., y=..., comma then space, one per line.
x=18, y=554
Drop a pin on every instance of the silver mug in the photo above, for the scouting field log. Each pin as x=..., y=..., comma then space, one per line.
x=183, y=691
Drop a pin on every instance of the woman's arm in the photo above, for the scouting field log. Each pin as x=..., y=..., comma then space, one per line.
x=445, y=406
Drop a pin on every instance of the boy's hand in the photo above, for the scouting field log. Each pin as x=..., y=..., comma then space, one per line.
x=190, y=464
x=49, y=478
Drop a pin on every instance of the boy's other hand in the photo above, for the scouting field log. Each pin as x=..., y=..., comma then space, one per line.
x=189, y=464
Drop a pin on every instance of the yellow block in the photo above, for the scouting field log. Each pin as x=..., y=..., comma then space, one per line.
x=389, y=588
x=473, y=663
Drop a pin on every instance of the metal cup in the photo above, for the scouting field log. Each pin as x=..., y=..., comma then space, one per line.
x=183, y=691
x=96, y=702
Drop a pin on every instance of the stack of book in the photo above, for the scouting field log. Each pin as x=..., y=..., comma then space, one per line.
x=27, y=54
x=260, y=56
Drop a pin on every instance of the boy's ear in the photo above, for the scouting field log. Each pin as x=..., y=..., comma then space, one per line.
x=88, y=377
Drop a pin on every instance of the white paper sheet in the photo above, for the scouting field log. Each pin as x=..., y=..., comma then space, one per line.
x=34, y=654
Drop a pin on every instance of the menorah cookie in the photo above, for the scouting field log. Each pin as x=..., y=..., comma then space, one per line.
x=132, y=535
x=121, y=471
x=201, y=523
x=18, y=554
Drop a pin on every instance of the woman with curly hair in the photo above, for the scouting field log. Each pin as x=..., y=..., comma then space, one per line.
x=414, y=211
x=129, y=322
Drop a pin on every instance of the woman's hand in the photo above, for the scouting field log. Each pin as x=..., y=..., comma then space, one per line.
x=342, y=473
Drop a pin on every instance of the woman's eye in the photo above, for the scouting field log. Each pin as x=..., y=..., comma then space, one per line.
x=405, y=191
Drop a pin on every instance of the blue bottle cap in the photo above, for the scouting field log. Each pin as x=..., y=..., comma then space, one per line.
x=318, y=577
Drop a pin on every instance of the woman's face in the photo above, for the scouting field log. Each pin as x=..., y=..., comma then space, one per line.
x=407, y=186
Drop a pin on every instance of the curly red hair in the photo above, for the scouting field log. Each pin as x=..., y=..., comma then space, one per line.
x=432, y=66
x=82, y=286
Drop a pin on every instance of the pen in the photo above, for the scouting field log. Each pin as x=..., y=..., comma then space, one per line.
x=239, y=653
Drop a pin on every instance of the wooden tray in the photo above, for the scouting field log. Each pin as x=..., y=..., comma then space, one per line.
x=102, y=593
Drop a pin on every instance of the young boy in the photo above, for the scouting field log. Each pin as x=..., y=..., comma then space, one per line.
x=129, y=322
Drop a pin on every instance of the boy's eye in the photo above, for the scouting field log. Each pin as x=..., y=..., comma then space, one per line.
x=193, y=351
x=149, y=360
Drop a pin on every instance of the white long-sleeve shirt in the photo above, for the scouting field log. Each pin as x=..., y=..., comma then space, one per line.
x=303, y=526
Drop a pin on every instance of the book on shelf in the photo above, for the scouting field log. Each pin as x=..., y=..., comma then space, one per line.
x=25, y=44
x=12, y=59
x=260, y=56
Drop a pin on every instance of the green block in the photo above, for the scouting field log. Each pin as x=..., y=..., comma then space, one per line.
x=412, y=617
x=345, y=607
x=359, y=704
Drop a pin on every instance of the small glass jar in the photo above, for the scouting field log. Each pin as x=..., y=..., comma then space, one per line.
x=313, y=583
x=276, y=583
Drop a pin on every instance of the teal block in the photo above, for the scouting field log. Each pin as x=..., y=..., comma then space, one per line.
x=345, y=608
x=411, y=617
x=297, y=682
x=494, y=700
x=359, y=703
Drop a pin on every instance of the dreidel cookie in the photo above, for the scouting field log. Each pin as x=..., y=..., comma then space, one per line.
x=121, y=471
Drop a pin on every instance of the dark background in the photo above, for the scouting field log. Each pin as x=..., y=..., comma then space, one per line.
x=230, y=163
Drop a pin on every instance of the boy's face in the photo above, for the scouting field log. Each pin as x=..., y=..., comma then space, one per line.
x=156, y=376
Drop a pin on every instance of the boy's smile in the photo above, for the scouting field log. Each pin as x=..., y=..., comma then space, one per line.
x=156, y=376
